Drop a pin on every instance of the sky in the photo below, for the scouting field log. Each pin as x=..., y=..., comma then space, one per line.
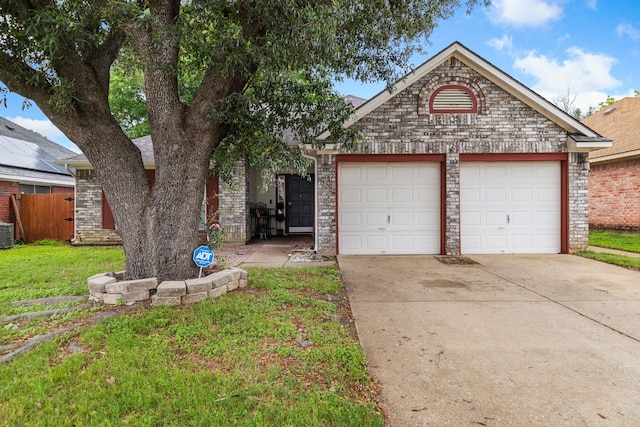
x=587, y=49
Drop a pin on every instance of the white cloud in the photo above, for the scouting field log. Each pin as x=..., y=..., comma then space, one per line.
x=43, y=127
x=585, y=75
x=524, y=13
x=625, y=29
x=592, y=4
x=501, y=44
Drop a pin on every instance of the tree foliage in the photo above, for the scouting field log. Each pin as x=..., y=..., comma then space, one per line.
x=222, y=79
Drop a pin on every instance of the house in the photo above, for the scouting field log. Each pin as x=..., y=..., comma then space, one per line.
x=614, y=180
x=459, y=159
x=27, y=167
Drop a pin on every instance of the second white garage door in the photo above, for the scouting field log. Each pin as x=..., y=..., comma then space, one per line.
x=510, y=207
x=389, y=208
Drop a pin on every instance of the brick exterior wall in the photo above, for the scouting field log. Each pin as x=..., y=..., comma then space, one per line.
x=233, y=208
x=503, y=124
x=88, y=222
x=6, y=190
x=61, y=190
x=614, y=195
x=234, y=205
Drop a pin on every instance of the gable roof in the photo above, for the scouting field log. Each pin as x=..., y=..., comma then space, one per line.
x=27, y=157
x=621, y=123
x=582, y=138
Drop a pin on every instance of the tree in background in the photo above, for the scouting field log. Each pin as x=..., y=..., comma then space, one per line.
x=222, y=79
x=566, y=102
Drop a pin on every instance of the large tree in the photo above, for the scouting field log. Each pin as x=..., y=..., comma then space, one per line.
x=222, y=79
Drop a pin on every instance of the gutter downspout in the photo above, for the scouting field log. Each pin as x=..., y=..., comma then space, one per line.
x=75, y=198
x=315, y=196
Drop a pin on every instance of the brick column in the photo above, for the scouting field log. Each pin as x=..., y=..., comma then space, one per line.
x=452, y=204
x=327, y=188
x=578, y=203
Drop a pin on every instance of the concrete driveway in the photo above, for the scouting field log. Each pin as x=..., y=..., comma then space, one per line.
x=512, y=340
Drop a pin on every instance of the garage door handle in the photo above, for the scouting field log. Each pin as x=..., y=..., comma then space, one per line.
x=382, y=228
x=501, y=228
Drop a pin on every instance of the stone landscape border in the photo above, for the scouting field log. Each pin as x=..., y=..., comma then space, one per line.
x=107, y=288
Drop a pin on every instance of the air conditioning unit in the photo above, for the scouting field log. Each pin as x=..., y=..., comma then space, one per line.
x=6, y=235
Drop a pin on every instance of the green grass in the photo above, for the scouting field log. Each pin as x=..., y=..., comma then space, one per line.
x=621, y=260
x=609, y=239
x=612, y=240
x=233, y=360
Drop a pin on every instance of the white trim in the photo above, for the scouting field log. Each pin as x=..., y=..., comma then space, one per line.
x=85, y=164
x=577, y=146
x=487, y=70
x=37, y=181
x=629, y=155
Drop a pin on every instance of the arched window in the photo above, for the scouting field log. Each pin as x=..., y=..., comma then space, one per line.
x=453, y=99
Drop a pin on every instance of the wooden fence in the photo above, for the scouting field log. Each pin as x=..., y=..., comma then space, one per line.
x=47, y=216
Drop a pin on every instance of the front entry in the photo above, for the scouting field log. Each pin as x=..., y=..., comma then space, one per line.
x=300, y=204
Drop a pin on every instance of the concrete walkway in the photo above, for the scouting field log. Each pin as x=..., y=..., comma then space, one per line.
x=613, y=251
x=513, y=340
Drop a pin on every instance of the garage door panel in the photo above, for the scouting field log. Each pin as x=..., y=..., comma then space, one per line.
x=375, y=174
x=351, y=243
x=375, y=195
x=522, y=195
x=376, y=242
x=375, y=219
x=546, y=218
x=494, y=172
x=548, y=195
x=351, y=219
x=495, y=219
x=351, y=195
x=495, y=195
x=495, y=242
x=402, y=195
x=522, y=219
x=349, y=173
x=399, y=208
x=471, y=195
x=471, y=218
x=525, y=220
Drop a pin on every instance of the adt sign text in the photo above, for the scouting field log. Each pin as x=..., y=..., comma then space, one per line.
x=203, y=256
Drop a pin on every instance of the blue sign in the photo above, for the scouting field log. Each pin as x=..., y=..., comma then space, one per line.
x=203, y=256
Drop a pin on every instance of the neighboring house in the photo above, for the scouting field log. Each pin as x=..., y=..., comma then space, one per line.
x=459, y=159
x=27, y=167
x=614, y=181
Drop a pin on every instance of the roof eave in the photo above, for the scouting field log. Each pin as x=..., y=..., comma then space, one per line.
x=85, y=164
x=580, y=144
x=628, y=155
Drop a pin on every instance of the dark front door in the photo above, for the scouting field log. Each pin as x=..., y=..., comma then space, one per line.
x=300, y=203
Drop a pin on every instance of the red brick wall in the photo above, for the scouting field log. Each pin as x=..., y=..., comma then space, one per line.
x=6, y=190
x=614, y=195
x=58, y=190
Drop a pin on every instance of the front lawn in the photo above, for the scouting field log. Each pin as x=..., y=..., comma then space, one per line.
x=282, y=351
x=613, y=240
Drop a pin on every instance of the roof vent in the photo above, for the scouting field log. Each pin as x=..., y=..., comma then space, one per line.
x=609, y=111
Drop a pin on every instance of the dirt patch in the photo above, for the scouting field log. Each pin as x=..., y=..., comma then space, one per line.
x=456, y=260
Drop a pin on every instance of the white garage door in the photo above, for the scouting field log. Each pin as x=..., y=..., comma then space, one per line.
x=510, y=207
x=389, y=208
